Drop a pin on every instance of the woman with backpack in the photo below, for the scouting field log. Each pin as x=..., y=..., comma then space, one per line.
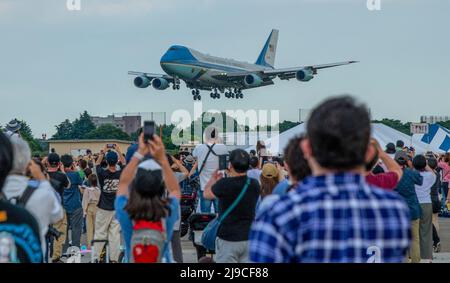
x=145, y=214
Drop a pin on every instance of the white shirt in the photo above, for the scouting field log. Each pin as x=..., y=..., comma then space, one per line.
x=423, y=191
x=43, y=204
x=254, y=173
x=212, y=164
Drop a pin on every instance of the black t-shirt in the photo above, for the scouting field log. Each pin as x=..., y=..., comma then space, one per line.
x=23, y=228
x=109, y=184
x=236, y=226
x=59, y=182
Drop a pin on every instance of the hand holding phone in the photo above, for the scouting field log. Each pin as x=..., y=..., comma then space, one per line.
x=149, y=130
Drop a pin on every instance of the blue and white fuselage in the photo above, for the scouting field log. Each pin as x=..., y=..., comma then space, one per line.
x=201, y=69
x=204, y=72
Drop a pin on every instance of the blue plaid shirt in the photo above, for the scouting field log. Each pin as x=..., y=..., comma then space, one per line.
x=332, y=218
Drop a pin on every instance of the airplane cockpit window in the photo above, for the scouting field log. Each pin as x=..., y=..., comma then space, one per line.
x=173, y=48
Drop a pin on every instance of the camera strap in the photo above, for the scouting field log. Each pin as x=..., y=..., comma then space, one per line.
x=210, y=149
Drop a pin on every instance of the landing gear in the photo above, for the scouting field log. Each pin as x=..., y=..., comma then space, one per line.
x=196, y=94
x=235, y=93
x=176, y=83
x=215, y=94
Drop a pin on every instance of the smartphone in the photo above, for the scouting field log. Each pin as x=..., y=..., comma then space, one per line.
x=149, y=130
x=224, y=161
x=110, y=145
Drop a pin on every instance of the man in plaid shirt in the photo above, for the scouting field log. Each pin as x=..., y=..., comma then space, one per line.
x=334, y=215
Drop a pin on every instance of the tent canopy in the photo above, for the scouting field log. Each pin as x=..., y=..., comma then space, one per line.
x=438, y=138
x=382, y=133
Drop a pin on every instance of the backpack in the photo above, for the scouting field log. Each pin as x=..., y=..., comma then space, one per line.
x=148, y=242
x=8, y=253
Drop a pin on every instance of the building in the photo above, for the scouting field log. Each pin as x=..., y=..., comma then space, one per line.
x=79, y=147
x=128, y=124
x=431, y=119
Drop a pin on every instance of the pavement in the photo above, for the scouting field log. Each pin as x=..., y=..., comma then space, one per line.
x=190, y=255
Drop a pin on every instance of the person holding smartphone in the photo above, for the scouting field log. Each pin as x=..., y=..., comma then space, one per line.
x=106, y=225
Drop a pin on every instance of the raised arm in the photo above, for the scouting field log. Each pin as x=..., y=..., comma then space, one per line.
x=100, y=157
x=119, y=152
x=129, y=171
x=181, y=166
x=193, y=169
x=391, y=164
x=158, y=151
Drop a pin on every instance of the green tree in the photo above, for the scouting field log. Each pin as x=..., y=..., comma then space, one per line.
x=82, y=126
x=27, y=134
x=63, y=131
x=286, y=125
x=107, y=131
x=396, y=124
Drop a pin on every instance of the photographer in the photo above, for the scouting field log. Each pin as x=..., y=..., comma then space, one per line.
x=406, y=189
x=142, y=200
x=232, y=236
x=27, y=245
x=42, y=200
x=60, y=182
x=106, y=225
x=207, y=163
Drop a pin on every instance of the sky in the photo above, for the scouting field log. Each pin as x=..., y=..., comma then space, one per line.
x=56, y=63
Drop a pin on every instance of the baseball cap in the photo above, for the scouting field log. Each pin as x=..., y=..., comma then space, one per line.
x=148, y=181
x=269, y=170
x=53, y=159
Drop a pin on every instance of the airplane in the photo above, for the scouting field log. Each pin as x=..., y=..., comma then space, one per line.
x=219, y=75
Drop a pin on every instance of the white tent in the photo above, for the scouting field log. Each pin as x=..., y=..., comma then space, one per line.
x=382, y=133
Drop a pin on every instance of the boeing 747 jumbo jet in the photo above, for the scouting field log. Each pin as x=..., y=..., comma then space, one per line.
x=218, y=75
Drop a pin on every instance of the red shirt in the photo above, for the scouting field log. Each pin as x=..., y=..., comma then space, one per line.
x=387, y=181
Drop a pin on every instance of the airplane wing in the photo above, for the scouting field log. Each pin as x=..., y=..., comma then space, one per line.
x=288, y=73
x=151, y=75
x=284, y=73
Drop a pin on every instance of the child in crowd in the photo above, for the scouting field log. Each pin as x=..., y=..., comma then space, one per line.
x=91, y=196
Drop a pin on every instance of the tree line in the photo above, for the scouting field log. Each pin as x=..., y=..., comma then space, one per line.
x=83, y=128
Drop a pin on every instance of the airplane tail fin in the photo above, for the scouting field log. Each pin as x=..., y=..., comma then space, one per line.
x=267, y=55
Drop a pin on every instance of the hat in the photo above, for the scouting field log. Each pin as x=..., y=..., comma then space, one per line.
x=189, y=159
x=112, y=157
x=269, y=170
x=149, y=180
x=53, y=159
x=13, y=126
x=390, y=148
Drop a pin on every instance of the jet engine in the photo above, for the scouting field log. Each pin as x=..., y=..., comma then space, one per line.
x=252, y=80
x=160, y=83
x=141, y=82
x=305, y=75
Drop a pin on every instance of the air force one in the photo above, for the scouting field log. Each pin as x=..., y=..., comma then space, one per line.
x=218, y=75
